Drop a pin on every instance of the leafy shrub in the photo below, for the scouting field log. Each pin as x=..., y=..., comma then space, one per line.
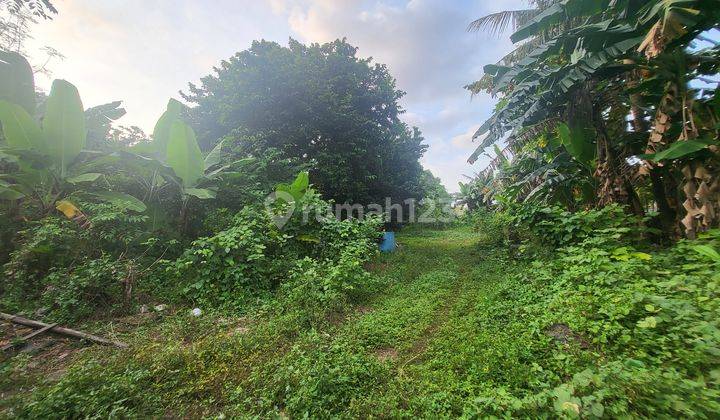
x=494, y=225
x=217, y=220
x=554, y=226
x=93, y=285
x=115, y=230
x=655, y=326
x=353, y=237
x=315, y=288
x=235, y=264
x=41, y=246
x=69, y=270
x=253, y=257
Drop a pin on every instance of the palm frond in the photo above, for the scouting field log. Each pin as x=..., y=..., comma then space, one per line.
x=497, y=23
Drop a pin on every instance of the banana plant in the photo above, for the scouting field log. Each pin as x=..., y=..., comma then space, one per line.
x=298, y=188
x=175, y=145
x=173, y=159
x=48, y=155
x=575, y=41
x=183, y=155
x=578, y=141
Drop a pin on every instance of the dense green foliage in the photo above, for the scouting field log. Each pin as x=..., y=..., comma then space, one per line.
x=113, y=209
x=252, y=255
x=646, y=315
x=606, y=102
x=67, y=273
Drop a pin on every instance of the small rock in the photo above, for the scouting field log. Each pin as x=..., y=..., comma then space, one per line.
x=144, y=309
x=196, y=312
x=564, y=335
x=386, y=353
x=161, y=307
x=36, y=347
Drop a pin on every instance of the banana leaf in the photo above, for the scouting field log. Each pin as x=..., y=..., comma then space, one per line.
x=64, y=124
x=19, y=128
x=679, y=149
x=17, y=84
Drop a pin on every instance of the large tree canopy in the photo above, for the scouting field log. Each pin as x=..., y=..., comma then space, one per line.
x=319, y=103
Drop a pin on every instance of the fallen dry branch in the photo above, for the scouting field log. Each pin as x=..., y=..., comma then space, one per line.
x=60, y=330
x=29, y=336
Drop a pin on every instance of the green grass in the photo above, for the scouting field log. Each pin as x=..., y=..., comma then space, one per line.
x=421, y=344
x=452, y=328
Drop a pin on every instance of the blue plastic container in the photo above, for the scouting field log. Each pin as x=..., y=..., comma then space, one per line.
x=388, y=242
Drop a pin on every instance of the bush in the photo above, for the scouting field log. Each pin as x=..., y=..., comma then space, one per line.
x=236, y=264
x=68, y=271
x=541, y=226
x=493, y=225
x=642, y=323
x=655, y=326
x=315, y=288
x=253, y=257
x=96, y=284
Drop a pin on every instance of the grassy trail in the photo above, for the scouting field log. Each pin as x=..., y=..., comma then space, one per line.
x=442, y=328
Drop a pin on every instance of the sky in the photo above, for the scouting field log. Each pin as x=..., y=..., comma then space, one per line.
x=143, y=52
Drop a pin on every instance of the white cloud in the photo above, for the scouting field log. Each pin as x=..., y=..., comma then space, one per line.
x=423, y=42
x=278, y=6
x=464, y=141
x=145, y=52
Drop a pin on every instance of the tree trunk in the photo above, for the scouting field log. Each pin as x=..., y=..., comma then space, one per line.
x=615, y=187
x=668, y=215
x=659, y=177
x=633, y=200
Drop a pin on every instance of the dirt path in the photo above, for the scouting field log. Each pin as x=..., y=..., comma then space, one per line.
x=443, y=328
x=437, y=328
